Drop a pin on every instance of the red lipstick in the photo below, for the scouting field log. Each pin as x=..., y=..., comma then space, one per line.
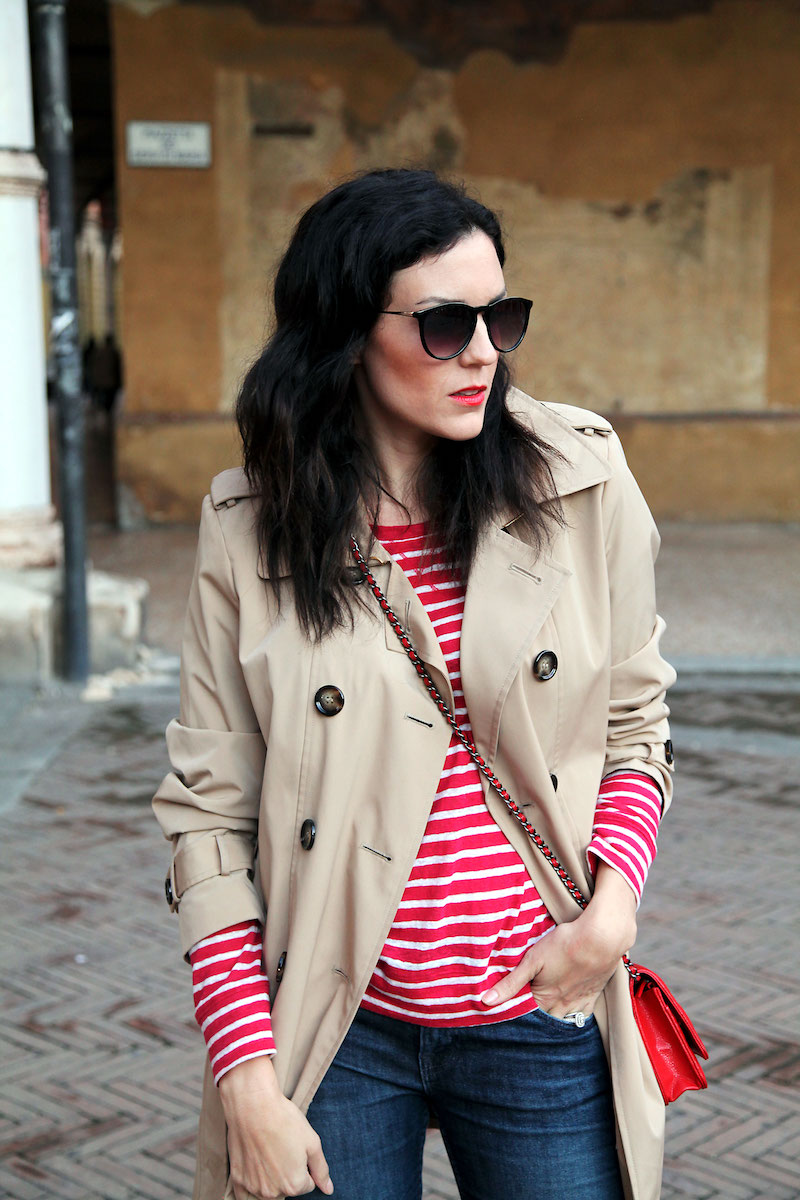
x=471, y=397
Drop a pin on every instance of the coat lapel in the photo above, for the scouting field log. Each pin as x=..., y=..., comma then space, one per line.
x=410, y=611
x=508, y=577
x=512, y=588
x=510, y=593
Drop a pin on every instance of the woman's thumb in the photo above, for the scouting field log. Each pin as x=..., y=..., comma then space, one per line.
x=507, y=987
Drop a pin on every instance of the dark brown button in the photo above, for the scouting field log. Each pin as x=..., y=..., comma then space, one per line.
x=545, y=665
x=280, y=967
x=669, y=753
x=329, y=700
x=168, y=891
x=308, y=831
x=554, y=781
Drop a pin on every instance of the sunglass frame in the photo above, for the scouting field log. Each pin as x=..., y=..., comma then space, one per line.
x=420, y=315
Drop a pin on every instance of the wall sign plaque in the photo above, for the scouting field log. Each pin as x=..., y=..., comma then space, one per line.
x=168, y=144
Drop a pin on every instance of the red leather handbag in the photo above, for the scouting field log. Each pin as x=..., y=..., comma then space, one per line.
x=672, y=1042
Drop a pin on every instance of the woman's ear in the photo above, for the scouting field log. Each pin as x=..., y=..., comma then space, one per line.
x=357, y=350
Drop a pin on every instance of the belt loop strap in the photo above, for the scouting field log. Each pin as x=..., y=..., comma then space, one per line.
x=219, y=854
x=224, y=858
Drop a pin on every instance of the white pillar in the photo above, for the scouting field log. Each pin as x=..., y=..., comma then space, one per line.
x=28, y=533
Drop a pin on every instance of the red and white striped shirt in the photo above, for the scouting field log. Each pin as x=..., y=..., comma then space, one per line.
x=231, y=996
x=470, y=909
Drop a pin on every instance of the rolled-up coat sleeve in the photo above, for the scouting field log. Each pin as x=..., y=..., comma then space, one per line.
x=638, y=729
x=208, y=803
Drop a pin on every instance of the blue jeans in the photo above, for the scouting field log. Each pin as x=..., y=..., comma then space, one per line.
x=524, y=1107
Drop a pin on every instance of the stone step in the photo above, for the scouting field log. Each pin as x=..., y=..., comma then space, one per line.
x=31, y=633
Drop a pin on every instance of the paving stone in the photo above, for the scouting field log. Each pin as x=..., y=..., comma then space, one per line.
x=102, y=1060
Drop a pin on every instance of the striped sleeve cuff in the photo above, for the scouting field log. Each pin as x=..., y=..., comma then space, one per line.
x=231, y=996
x=626, y=823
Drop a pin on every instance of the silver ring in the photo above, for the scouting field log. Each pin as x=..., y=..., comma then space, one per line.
x=576, y=1018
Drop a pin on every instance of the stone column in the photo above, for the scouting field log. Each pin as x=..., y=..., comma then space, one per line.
x=29, y=532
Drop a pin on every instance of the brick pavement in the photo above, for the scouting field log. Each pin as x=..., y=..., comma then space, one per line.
x=101, y=1057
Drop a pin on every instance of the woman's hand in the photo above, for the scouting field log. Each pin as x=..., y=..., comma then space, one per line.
x=569, y=967
x=273, y=1150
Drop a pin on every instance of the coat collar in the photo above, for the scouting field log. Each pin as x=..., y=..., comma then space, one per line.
x=512, y=585
x=571, y=432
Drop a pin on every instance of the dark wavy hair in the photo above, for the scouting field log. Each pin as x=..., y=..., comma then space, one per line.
x=317, y=479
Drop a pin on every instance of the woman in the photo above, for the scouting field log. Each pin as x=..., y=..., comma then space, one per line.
x=420, y=955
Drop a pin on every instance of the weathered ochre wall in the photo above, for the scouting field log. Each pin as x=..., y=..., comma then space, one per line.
x=649, y=184
x=167, y=465
x=633, y=105
x=723, y=468
x=169, y=222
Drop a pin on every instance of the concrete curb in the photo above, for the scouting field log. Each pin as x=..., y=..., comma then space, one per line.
x=770, y=673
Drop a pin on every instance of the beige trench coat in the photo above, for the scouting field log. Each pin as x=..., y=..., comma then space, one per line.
x=253, y=758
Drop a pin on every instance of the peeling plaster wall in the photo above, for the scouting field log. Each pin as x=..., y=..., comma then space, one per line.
x=659, y=307
x=648, y=183
x=654, y=307
x=267, y=176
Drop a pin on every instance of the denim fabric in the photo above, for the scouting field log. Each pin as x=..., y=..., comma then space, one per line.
x=524, y=1108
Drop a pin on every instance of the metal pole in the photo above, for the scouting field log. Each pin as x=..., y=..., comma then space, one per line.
x=55, y=120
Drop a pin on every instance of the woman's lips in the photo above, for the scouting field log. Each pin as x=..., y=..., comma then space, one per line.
x=471, y=397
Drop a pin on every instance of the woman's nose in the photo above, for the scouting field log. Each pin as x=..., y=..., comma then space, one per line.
x=479, y=349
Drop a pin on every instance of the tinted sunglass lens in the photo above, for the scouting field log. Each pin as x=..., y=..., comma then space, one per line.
x=508, y=320
x=447, y=330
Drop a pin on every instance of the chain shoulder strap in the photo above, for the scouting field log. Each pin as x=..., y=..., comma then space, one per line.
x=467, y=742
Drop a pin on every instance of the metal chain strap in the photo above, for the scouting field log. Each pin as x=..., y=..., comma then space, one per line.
x=466, y=741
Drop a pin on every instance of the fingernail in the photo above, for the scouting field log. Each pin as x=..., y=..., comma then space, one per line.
x=490, y=997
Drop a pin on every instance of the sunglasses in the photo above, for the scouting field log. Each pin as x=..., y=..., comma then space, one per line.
x=447, y=330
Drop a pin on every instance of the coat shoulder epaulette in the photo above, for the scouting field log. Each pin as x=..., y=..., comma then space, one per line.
x=229, y=487
x=582, y=419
